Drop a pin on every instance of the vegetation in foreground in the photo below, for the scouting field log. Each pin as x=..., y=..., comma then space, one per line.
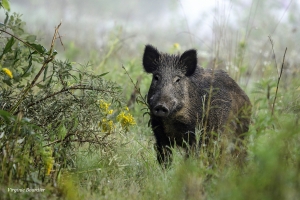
x=67, y=130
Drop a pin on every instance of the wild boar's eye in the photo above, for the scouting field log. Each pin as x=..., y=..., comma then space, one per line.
x=156, y=77
x=177, y=79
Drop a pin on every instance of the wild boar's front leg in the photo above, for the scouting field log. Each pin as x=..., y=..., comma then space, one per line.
x=163, y=149
x=164, y=155
x=190, y=143
x=163, y=144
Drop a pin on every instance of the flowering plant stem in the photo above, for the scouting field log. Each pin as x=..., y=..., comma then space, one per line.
x=144, y=101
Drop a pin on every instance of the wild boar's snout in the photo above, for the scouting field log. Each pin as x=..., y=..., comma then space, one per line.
x=163, y=102
x=161, y=110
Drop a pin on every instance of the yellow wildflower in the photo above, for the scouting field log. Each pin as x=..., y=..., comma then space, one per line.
x=110, y=112
x=126, y=108
x=49, y=165
x=48, y=160
x=176, y=46
x=107, y=125
x=125, y=120
x=7, y=72
x=104, y=106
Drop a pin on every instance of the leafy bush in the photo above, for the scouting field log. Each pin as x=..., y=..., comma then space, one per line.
x=48, y=108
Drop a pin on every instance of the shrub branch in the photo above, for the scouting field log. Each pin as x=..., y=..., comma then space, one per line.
x=75, y=87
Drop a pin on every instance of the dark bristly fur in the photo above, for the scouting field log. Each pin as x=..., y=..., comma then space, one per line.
x=178, y=99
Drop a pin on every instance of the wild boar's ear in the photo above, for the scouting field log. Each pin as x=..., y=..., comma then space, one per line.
x=150, y=58
x=189, y=59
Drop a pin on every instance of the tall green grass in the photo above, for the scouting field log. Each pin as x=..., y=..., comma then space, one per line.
x=130, y=171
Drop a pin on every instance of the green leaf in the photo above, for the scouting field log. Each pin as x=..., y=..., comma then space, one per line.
x=103, y=74
x=45, y=73
x=146, y=108
x=16, y=56
x=8, y=46
x=30, y=38
x=5, y=115
x=140, y=101
x=26, y=74
x=5, y=5
x=146, y=113
x=38, y=48
x=75, y=123
x=149, y=123
x=40, y=86
x=50, y=80
x=62, y=131
x=8, y=82
x=26, y=70
x=6, y=18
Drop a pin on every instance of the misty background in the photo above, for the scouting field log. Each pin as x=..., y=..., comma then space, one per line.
x=227, y=29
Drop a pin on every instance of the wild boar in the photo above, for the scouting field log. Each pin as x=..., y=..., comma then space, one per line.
x=183, y=95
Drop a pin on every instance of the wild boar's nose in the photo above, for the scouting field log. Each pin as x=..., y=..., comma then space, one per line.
x=161, y=111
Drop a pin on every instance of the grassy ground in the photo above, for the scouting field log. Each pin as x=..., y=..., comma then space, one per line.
x=130, y=171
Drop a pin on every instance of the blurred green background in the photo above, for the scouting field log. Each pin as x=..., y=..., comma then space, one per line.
x=236, y=32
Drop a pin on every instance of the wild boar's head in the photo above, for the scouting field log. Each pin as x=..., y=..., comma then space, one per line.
x=168, y=92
